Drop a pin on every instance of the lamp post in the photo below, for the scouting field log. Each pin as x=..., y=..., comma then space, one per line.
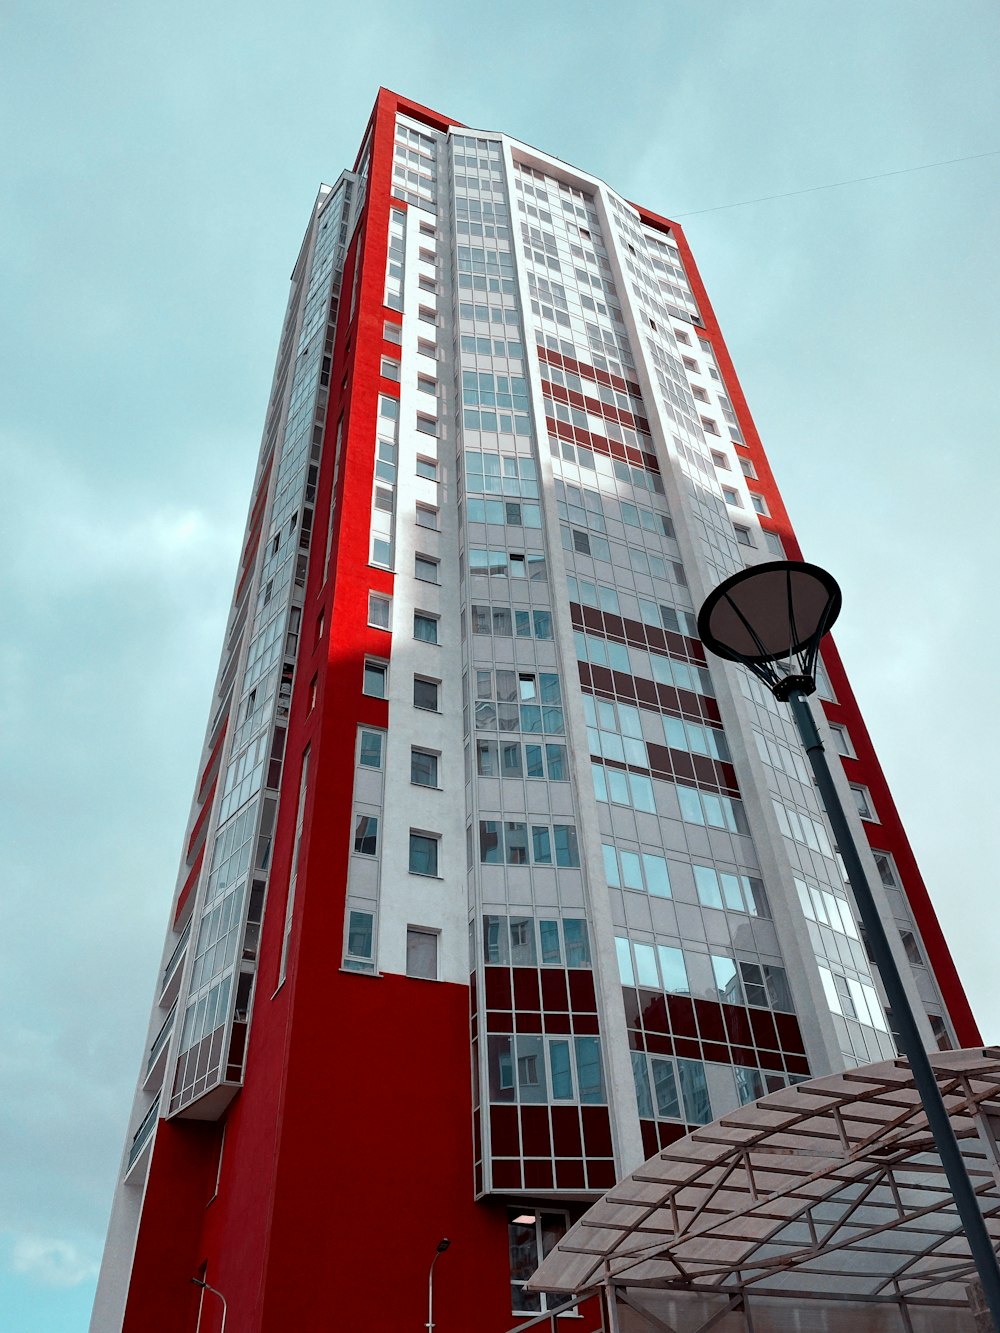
x=199, y=1282
x=442, y=1245
x=771, y=618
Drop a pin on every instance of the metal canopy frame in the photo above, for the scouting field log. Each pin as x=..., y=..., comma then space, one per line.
x=826, y=1190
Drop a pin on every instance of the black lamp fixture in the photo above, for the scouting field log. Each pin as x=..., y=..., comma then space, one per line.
x=770, y=618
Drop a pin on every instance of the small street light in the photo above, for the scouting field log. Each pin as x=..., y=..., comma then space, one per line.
x=771, y=618
x=442, y=1245
x=199, y=1282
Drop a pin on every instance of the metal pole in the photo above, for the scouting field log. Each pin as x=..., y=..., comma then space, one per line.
x=215, y=1292
x=430, y=1294
x=910, y=1042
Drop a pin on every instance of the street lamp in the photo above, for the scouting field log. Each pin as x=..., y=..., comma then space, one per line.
x=442, y=1245
x=771, y=618
x=199, y=1282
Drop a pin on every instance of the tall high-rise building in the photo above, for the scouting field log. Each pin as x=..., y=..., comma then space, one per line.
x=492, y=884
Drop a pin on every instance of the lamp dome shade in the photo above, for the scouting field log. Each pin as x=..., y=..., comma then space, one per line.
x=769, y=611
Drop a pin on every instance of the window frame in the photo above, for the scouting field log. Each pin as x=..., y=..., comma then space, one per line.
x=426, y=754
x=427, y=680
x=746, y=539
x=383, y=600
x=838, y=730
x=432, y=840
x=427, y=560
x=381, y=666
x=860, y=789
x=428, y=618
x=426, y=932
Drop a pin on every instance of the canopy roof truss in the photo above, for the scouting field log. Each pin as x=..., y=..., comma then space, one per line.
x=829, y=1189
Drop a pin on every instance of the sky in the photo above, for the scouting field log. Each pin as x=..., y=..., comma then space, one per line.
x=159, y=165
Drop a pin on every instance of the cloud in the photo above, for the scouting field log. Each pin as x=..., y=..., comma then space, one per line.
x=53, y=1263
x=103, y=529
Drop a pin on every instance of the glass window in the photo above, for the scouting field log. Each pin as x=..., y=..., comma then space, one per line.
x=673, y=972
x=589, y=1070
x=727, y=982
x=624, y=953
x=690, y=805
x=541, y=845
x=657, y=879
x=379, y=610
x=531, y=1082
x=487, y=764
x=642, y=792
x=707, y=885
x=543, y=624
x=531, y=1235
x=631, y=870
x=776, y=982
x=370, y=753
x=516, y=843
x=567, y=850
x=425, y=627
x=425, y=694
x=694, y=1089
x=883, y=863
x=863, y=801
x=749, y=1085
x=366, y=835
x=375, y=679
x=423, y=854
x=359, y=935
x=522, y=941
x=495, y=940
x=665, y=1089
x=426, y=569
x=555, y=759
x=548, y=935
x=640, y=1074
x=427, y=467
x=576, y=941
x=423, y=768
x=490, y=849
x=645, y=965
x=560, y=1066
x=773, y=543
x=841, y=740
x=427, y=517
x=421, y=953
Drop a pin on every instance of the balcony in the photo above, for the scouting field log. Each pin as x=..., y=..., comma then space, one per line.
x=157, y=1052
x=170, y=984
x=142, y=1137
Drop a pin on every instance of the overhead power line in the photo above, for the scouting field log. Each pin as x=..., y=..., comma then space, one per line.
x=836, y=185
